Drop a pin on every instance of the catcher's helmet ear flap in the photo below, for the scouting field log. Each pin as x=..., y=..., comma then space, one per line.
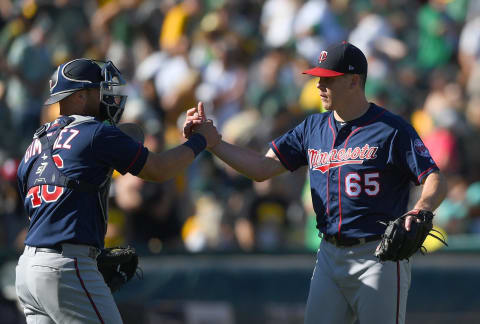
x=73, y=76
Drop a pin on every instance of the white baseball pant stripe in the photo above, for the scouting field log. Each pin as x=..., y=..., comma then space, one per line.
x=349, y=284
x=64, y=288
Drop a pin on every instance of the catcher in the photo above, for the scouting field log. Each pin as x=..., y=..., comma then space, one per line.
x=64, y=179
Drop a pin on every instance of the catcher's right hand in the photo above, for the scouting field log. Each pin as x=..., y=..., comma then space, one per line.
x=196, y=122
x=195, y=116
x=400, y=242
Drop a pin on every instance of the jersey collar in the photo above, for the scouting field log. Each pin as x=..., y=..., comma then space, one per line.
x=365, y=118
x=78, y=119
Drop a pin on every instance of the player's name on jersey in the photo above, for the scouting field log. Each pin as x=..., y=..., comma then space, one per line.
x=323, y=161
x=63, y=141
x=33, y=149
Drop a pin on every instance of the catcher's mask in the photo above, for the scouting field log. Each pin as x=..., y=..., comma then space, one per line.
x=85, y=73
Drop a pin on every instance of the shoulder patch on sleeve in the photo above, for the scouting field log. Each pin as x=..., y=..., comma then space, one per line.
x=420, y=148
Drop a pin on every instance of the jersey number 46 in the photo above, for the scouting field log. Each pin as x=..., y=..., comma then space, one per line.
x=46, y=193
x=43, y=193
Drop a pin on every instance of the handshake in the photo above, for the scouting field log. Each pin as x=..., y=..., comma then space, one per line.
x=197, y=122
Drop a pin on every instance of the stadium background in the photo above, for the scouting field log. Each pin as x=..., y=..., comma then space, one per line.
x=216, y=247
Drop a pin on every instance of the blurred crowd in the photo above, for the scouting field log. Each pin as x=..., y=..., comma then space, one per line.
x=243, y=59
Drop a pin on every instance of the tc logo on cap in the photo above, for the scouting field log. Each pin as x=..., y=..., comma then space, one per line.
x=322, y=57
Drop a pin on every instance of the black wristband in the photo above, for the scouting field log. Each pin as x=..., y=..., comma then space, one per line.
x=197, y=143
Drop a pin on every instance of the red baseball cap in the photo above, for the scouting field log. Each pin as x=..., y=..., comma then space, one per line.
x=339, y=59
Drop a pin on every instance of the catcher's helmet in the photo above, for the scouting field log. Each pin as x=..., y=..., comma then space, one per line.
x=85, y=73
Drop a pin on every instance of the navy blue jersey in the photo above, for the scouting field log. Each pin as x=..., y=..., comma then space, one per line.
x=359, y=173
x=86, y=150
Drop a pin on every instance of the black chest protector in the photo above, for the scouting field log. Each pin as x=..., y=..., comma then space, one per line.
x=44, y=169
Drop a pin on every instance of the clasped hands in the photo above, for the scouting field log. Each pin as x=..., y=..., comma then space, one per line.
x=196, y=122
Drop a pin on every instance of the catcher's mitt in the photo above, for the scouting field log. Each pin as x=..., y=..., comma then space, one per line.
x=397, y=243
x=117, y=265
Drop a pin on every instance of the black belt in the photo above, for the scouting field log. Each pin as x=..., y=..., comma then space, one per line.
x=92, y=252
x=54, y=249
x=348, y=241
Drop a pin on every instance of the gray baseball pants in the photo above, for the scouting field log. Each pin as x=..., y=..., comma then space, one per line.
x=64, y=287
x=349, y=284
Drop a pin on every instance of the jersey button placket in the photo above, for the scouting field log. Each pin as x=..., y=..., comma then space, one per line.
x=333, y=176
x=332, y=179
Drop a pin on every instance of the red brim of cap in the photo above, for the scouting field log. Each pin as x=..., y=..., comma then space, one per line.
x=322, y=72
